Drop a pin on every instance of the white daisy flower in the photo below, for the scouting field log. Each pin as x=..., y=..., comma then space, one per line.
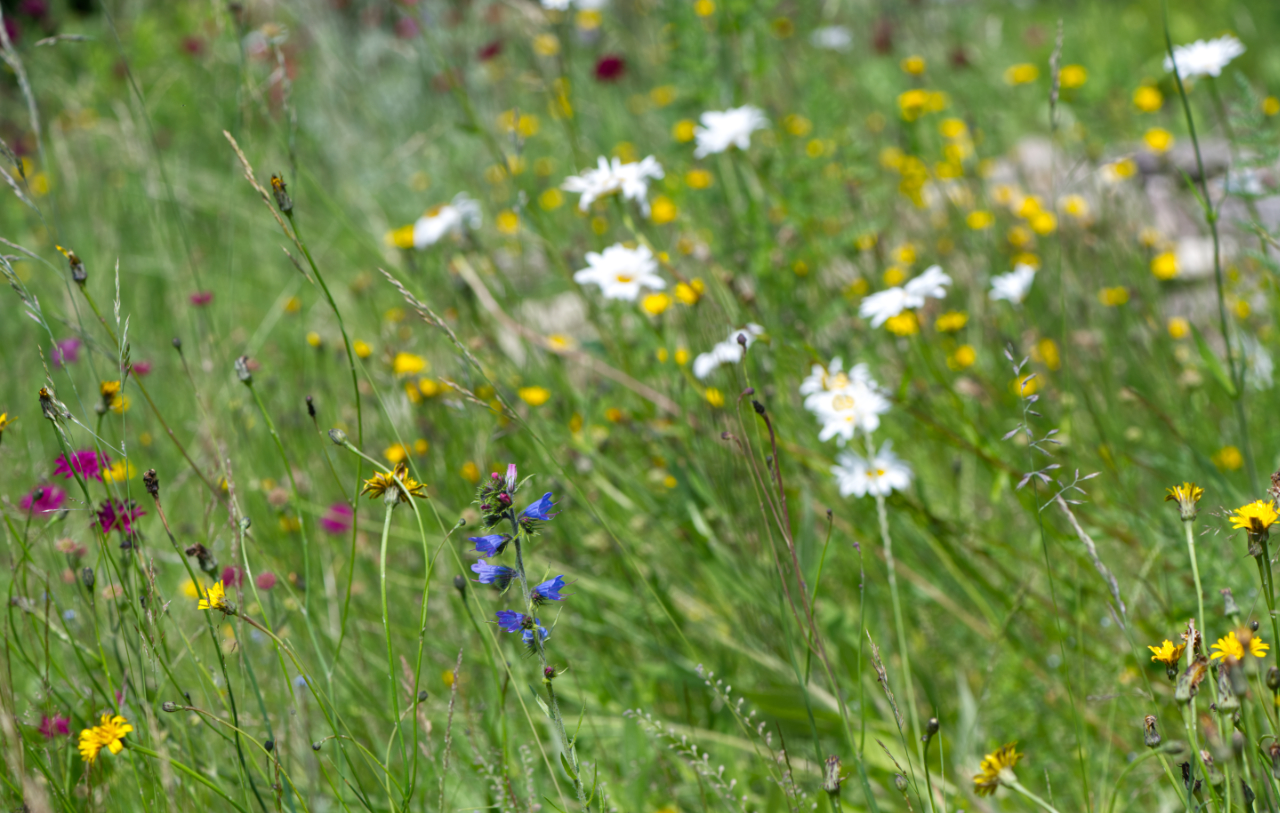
x=450, y=218
x=832, y=38
x=1014, y=286
x=721, y=130
x=883, y=474
x=882, y=306
x=932, y=283
x=621, y=272
x=843, y=412
x=611, y=176
x=1204, y=57
x=556, y=5
x=728, y=351
x=832, y=377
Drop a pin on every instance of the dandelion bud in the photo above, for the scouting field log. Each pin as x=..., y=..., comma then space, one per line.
x=338, y=437
x=1227, y=700
x=151, y=481
x=269, y=745
x=831, y=776
x=1151, y=735
x=311, y=406
x=900, y=782
x=1229, y=606
x=422, y=696
x=169, y=706
x=932, y=726
x=282, y=197
x=315, y=746
x=1273, y=678
x=242, y=371
x=87, y=577
x=460, y=584
x=245, y=522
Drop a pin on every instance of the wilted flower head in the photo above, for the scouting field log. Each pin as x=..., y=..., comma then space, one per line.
x=378, y=485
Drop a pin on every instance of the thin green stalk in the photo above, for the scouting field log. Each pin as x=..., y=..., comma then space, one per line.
x=1269, y=593
x=1017, y=786
x=892, y=569
x=386, y=626
x=1195, y=573
x=196, y=775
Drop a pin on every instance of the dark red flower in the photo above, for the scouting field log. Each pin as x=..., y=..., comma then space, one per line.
x=34, y=8
x=55, y=726
x=232, y=576
x=141, y=368
x=265, y=581
x=610, y=68
x=201, y=298
x=114, y=515
x=489, y=51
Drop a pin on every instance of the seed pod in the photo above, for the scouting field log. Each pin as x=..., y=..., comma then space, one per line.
x=338, y=437
x=86, y=576
x=169, y=706
x=243, y=372
x=269, y=745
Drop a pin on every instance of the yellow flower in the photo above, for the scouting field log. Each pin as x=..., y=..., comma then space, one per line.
x=508, y=222
x=714, y=397
x=1179, y=328
x=1148, y=99
x=953, y=128
x=704, y=8
x=664, y=210
x=1043, y=223
x=1167, y=653
x=893, y=275
x=409, y=364
x=655, y=304
x=1073, y=76
x=1076, y=206
x=191, y=588
x=1021, y=74
x=698, y=178
x=1232, y=647
x=395, y=453
x=5, y=420
x=979, y=219
x=1228, y=458
x=663, y=95
x=913, y=65
x=108, y=733
x=964, y=357
x=378, y=485
x=1023, y=386
x=109, y=391
x=797, y=125
x=119, y=471
x=428, y=388
x=683, y=131
x=214, y=599
x=1270, y=106
x=1165, y=265
x=904, y=324
x=1046, y=350
x=1186, y=496
x=993, y=766
x=689, y=293
x=551, y=199
x=401, y=237
x=951, y=321
x=682, y=356
x=1113, y=297
x=421, y=446
x=1019, y=236
x=527, y=124
x=1117, y=171
x=1256, y=517
x=362, y=349
x=912, y=103
x=534, y=396
x=546, y=45
x=1158, y=139
x=470, y=472
x=313, y=338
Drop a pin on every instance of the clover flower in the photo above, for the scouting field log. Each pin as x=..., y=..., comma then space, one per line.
x=86, y=462
x=109, y=734
x=996, y=768
x=721, y=130
x=492, y=544
x=621, y=272
x=498, y=575
x=880, y=476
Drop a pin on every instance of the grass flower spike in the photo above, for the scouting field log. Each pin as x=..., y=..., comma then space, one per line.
x=996, y=769
x=109, y=734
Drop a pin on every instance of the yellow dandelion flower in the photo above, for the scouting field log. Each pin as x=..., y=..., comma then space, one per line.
x=1270, y=106
x=119, y=471
x=1228, y=458
x=409, y=364
x=1167, y=653
x=797, y=125
x=1148, y=99
x=378, y=485
x=683, y=130
x=1256, y=648
x=1164, y=265
x=1113, y=297
x=395, y=453
x=963, y=358
x=689, y=293
x=215, y=598
x=664, y=210
x=993, y=767
x=714, y=397
x=470, y=472
x=314, y=339
x=1256, y=517
x=546, y=45
x=698, y=179
x=913, y=65
x=655, y=304
x=551, y=199
x=534, y=396
x=1186, y=496
x=951, y=321
x=1158, y=139
x=1228, y=646
x=979, y=219
x=1076, y=207
x=704, y=8
x=1043, y=223
x=401, y=237
x=904, y=324
x=508, y=222
x=109, y=733
x=362, y=349
x=1073, y=76
x=682, y=356
x=1179, y=328
x=1021, y=74
x=5, y=420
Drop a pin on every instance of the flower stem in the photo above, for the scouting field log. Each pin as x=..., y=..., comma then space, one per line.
x=1195, y=573
x=1017, y=786
x=1268, y=592
x=898, y=622
x=386, y=626
x=196, y=775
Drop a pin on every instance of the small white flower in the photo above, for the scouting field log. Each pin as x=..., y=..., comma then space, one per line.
x=883, y=474
x=556, y=5
x=1014, y=286
x=882, y=306
x=451, y=218
x=728, y=351
x=842, y=412
x=721, y=130
x=632, y=180
x=832, y=38
x=621, y=272
x=932, y=283
x=1204, y=57
x=832, y=377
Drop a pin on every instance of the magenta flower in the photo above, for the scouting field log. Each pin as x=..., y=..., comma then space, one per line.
x=265, y=581
x=337, y=520
x=44, y=500
x=232, y=576
x=141, y=368
x=55, y=726
x=114, y=515
x=610, y=68
x=201, y=298
x=86, y=462
x=66, y=351
x=489, y=51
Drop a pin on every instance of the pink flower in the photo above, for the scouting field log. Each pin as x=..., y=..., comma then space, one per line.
x=141, y=368
x=265, y=581
x=44, y=500
x=114, y=515
x=232, y=576
x=66, y=351
x=610, y=68
x=337, y=520
x=86, y=462
x=490, y=50
x=55, y=726
x=201, y=298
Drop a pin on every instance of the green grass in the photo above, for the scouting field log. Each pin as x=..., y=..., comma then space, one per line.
x=683, y=556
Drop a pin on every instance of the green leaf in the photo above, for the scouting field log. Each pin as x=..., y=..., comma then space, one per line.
x=564, y=760
x=1214, y=364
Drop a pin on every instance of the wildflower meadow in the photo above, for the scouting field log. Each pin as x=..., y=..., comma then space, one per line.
x=639, y=405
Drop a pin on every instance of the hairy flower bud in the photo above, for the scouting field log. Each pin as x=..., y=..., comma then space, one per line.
x=1151, y=735
x=338, y=437
x=243, y=372
x=460, y=584
x=87, y=577
x=169, y=706
x=831, y=776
